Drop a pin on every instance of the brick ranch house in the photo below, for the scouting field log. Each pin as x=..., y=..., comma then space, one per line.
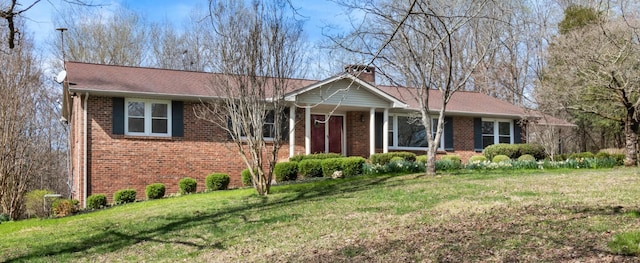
x=133, y=126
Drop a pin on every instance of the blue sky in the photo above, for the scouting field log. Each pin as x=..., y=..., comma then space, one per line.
x=318, y=13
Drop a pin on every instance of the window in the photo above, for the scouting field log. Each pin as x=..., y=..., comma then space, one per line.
x=406, y=132
x=496, y=131
x=269, y=127
x=147, y=117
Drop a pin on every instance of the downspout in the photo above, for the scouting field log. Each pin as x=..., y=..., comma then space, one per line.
x=84, y=193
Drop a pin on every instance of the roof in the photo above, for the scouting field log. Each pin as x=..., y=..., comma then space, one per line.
x=109, y=80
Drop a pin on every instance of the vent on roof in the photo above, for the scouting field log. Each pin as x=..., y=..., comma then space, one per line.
x=363, y=72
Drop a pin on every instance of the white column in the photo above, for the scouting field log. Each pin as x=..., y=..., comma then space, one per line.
x=307, y=130
x=372, y=131
x=385, y=131
x=292, y=130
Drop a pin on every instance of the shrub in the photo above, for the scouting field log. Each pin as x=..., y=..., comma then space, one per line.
x=155, y=191
x=619, y=158
x=535, y=150
x=286, y=171
x=33, y=201
x=448, y=164
x=187, y=185
x=526, y=157
x=315, y=156
x=4, y=218
x=453, y=158
x=329, y=166
x=352, y=166
x=220, y=181
x=384, y=158
x=64, y=207
x=525, y=164
x=477, y=158
x=396, y=159
x=421, y=159
x=582, y=155
x=500, y=158
x=246, y=178
x=310, y=168
x=514, y=151
x=96, y=201
x=124, y=196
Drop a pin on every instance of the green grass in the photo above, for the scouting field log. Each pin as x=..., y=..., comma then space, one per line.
x=560, y=215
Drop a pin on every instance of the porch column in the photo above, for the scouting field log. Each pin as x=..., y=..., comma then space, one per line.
x=292, y=130
x=307, y=130
x=372, y=131
x=385, y=131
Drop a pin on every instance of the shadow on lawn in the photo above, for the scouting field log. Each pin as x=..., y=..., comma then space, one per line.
x=112, y=237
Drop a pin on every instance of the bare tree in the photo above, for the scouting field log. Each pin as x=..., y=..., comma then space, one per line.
x=592, y=71
x=258, y=51
x=425, y=46
x=23, y=139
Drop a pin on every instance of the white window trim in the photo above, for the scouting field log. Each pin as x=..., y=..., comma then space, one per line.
x=394, y=142
x=496, y=129
x=266, y=139
x=147, y=117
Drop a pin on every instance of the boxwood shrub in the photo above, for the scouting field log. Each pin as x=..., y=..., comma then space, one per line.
x=329, y=166
x=220, y=181
x=477, y=158
x=124, y=196
x=286, y=171
x=384, y=158
x=310, y=168
x=500, y=158
x=513, y=151
x=421, y=159
x=96, y=201
x=246, y=178
x=352, y=166
x=155, y=191
x=526, y=157
x=318, y=156
x=453, y=158
x=187, y=185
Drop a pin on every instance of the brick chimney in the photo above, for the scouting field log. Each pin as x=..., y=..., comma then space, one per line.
x=363, y=72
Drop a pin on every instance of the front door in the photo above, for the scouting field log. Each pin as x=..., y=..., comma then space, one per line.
x=326, y=136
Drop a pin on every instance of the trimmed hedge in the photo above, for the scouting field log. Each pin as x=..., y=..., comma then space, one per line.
x=329, y=166
x=286, y=171
x=352, y=166
x=310, y=168
x=220, y=181
x=124, y=196
x=187, y=185
x=96, y=201
x=500, y=158
x=246, y=178
x=384, y=158
x=155, y=191
x=513, y=151
x=318, y=156
x=526, y=157
x=421, y=159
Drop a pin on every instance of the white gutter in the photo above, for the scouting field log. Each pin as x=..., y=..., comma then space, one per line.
x=84, y=202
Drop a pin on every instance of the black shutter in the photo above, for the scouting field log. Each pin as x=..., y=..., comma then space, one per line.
x=477, y=134
x=517, y=132
x=118, y=121
x=448, y=134
x=379, y=119
x=284, y=126
x=177, y=119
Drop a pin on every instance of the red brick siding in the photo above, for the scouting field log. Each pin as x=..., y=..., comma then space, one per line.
x=463, y=139
x=357, y=133
x=119, y=161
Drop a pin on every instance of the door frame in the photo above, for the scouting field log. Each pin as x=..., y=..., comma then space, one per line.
x=343, y=136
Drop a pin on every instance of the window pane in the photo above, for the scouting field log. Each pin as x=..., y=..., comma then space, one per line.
x=487, y=140
x=136, y=124
x=390, y=138
x=411, y=132
x=504, y=128
x=159, y=110
x=136, y=109
x=158, y=126
x=268, y=131
x=487, y=127
x=505, y=139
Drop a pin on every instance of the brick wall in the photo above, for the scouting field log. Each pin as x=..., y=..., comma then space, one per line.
x=119, y=161
x=357, y=133
x=463, y=137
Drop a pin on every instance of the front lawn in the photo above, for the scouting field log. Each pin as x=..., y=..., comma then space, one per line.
x=560, y=215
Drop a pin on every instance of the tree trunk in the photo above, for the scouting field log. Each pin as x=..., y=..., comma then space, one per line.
x=631, y=140
x=431, y=163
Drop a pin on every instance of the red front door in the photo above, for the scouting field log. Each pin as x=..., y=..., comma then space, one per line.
x=323, y=138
